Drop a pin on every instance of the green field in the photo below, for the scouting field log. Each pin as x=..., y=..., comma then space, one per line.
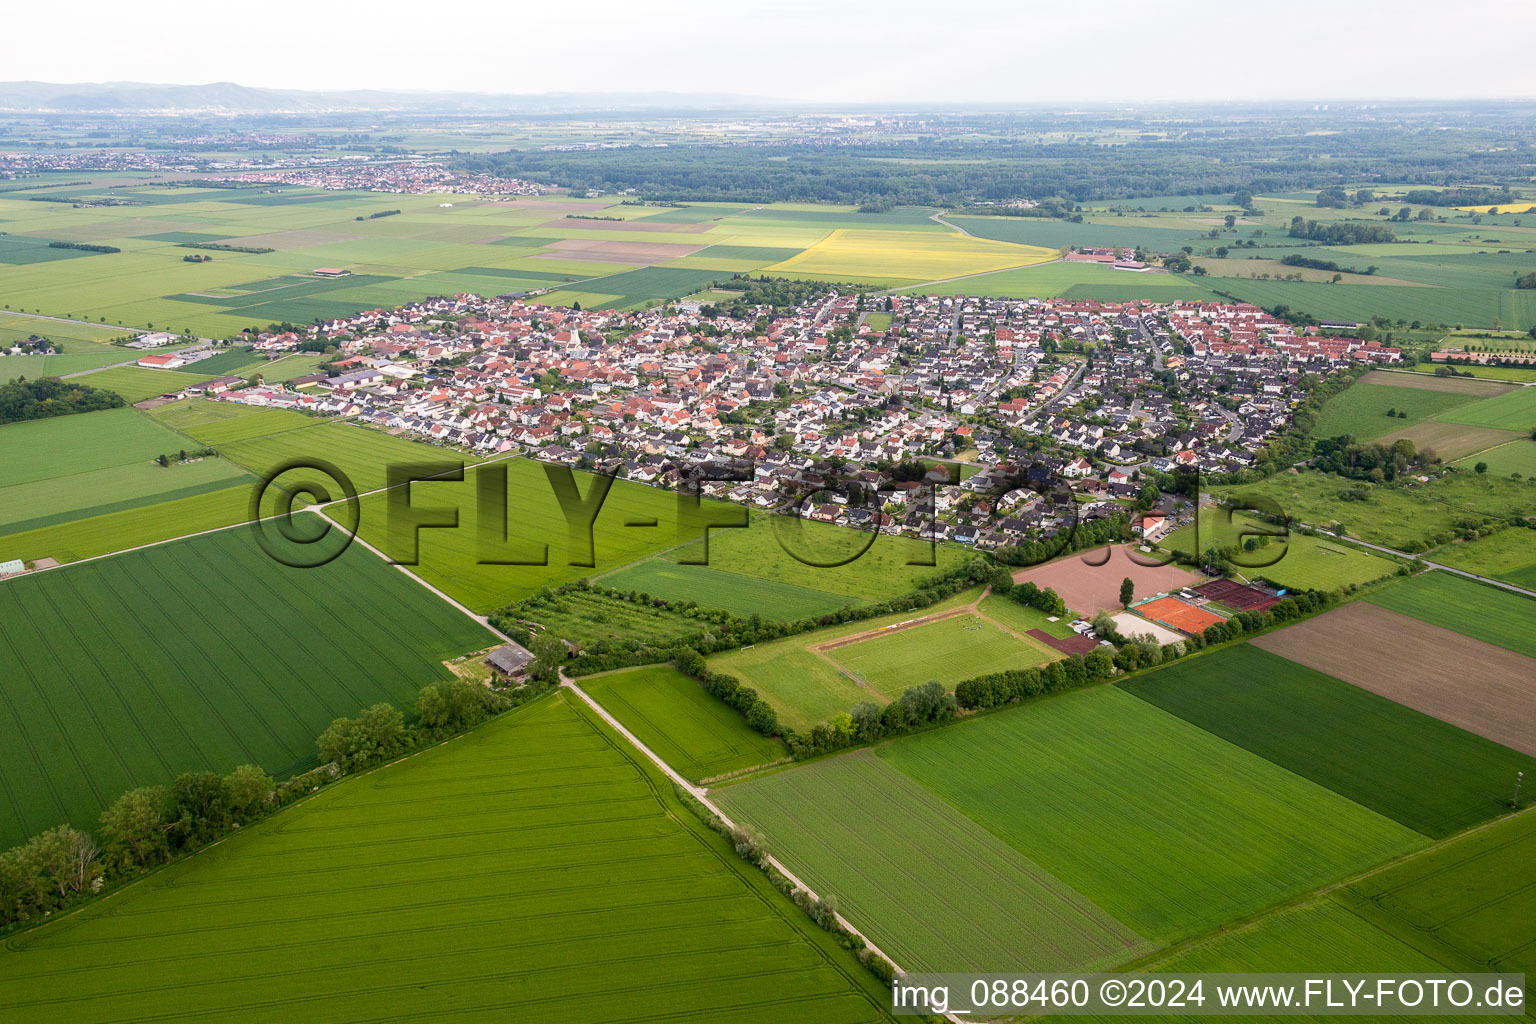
x=215, y=423
x=806, y=687
x=203, y=653
x=928, y=885
x=456, y=560
x=1165, y=826
x=1391, y=515
x=1508, y=459
x=799, y=552
x=717, y=588
x=699, y=736
x=80, y=347
x=1509, y=555
x=1466, y=606
x=130, y=528
x=1513, y=410
x=1361, y=410
x=948, y=651
x=1021, y=618
x=529, y=868
x=1304, y=563
x=67, y=468
x=1340, y=736
x=363, y=454
x=135, y=383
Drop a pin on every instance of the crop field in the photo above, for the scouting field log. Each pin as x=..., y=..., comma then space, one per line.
x=529, y=867
x=699, y=736
x=1450, y=441
x=1165, y=826
x=1298, y=563
x=585, y=618
x=804, y=685
x=1513, y=410
x=634, y=522
x=80, y=347
x=1518, y=374
x=1362, y=410
x=74, y=467
x=365, y=455
x=215, y=423
x=802, y=553
x=204, y=653
x=1090, y=580
x=1394, y=516
x=1508, y=459
x=135, y=383
x=1466, y=606
x=1074, y=281
x=1471, y=903
x=1475, y=685
x=948, y=650
x=1509, y=555
x=72, y=540
x=928, y=885
x=717, y=588
x=915, y=256
x=1340, y=736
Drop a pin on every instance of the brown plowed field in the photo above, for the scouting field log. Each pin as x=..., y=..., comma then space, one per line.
x=1429, y=382
x=1477, y=686
x=1087, y=587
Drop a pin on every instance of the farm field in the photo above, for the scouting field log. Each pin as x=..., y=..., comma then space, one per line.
x=1298, y=563
x=81, y=347
x=698, y=735
x=135, y=383
x=1466, y=606
x=161, y=520
x=1340, y=736
x=455, y=560
x=621, y=901
x=892, y=853
x=73, y=467
x=1509, y=458
x=184, y=672
x=1471, y=684
x=732, y=591
x=1163, y=825
x=948, y=651
x=905, y=257
x=215, y=423
x=805, y=686
x=1361, y=411
x=1087, y=587
x=363, y=454
x=797, y=552
x=1509, y=555
x=1450, y=441
x=1513, y=410
x=76, y=360
x=1518, y=374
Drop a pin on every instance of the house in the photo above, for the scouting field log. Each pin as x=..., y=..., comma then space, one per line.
x=163, y=361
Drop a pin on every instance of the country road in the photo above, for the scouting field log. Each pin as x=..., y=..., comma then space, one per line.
x=1422, y=561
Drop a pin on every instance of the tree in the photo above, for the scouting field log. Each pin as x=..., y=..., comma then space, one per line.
x=200, y=807
x=1481, y=467
x=549, y=652
x=1127, y=591
x=136, y=830
x=250, y=788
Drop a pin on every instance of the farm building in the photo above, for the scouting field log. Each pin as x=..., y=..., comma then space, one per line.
x=511, y=660
x=332, y=272
x=163, y=361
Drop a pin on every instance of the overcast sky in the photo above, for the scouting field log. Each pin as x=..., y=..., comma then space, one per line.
x=885, y=51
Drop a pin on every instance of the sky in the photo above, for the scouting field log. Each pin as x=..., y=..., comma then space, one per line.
x=891, y=51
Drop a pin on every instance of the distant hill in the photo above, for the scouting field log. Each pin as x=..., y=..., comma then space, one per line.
x=228, y=97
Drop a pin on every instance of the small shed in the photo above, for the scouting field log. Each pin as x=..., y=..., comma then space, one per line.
x=511, y=660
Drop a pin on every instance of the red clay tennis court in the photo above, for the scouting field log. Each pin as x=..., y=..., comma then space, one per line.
x=1237, y=595
x=1172, y=612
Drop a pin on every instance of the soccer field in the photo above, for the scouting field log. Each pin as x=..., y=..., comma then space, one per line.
x=532, y=865
x=202, y=653
x=960, y=647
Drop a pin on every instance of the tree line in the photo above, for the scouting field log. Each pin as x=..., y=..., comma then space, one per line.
x=23, y=399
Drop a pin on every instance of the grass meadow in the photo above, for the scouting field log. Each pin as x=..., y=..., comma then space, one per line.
x=948, y=651
x=1509, y=555
x=215, y=423
x=363, y=454
x=1511, y=458
x=203, y=653
x=1361, y=411
x=734, y=592
x=135, y=383
x=527, y=869
x=930, y=886
x=1165, y=826
x=671, y=714
x=1465, y=606
x=1304, y=563
x=1340, y=736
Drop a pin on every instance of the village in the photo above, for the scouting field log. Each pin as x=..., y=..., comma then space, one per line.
x=770, y=408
